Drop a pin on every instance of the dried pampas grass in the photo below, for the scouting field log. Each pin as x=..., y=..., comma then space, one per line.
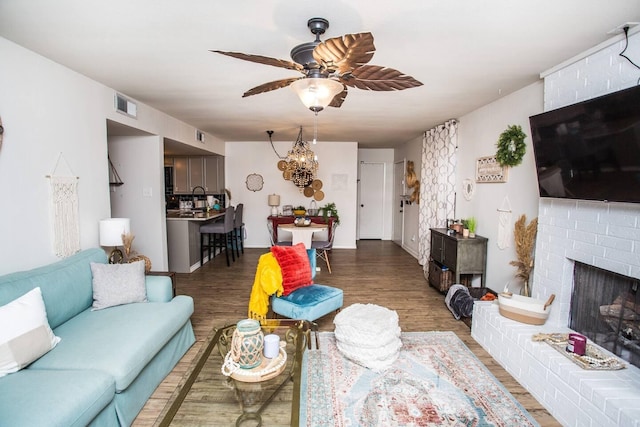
x=525, y=239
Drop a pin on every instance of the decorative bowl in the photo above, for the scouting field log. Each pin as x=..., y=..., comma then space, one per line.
x=302, y=222
x=299, y=212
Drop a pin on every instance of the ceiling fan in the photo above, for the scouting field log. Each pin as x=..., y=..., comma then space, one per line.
x=340, y=61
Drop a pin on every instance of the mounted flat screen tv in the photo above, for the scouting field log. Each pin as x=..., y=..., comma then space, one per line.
x=590, y=150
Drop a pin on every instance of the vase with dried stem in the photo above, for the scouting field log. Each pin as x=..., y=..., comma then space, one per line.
x=525, y=237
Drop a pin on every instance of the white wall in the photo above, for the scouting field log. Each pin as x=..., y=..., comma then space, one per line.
x=136, y=159
x=46, y=110
x=478, y=133
x=384, y=156
x=338, y=171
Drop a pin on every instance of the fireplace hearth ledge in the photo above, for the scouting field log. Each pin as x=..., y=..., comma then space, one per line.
x=574, y=396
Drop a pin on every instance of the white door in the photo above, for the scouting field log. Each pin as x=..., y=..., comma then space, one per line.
x=398, y=192
x=371, y=210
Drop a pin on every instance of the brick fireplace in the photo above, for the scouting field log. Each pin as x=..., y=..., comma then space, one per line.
x=599, y=234
x=604, y=235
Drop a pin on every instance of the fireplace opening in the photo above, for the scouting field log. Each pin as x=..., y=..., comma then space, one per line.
x=605, y=307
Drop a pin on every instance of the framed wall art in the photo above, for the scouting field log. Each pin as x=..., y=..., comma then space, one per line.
x=489, y=170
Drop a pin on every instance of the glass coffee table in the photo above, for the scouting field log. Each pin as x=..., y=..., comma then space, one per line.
x=208, y=397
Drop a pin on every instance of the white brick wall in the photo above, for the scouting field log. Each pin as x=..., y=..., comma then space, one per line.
x=606, y=235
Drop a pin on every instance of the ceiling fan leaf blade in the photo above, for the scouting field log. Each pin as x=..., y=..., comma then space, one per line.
x=346, y=53
x=337, y=100
x=377, y=78
x=268, y=87
x=274, y=62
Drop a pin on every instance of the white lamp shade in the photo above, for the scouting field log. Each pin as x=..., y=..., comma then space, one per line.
x=274, y=200
x=112, y=229
x=316, y=93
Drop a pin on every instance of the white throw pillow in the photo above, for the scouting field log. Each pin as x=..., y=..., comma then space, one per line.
x=25, y=334
x=117, y=284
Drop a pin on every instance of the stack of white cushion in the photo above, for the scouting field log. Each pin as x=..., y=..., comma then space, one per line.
x=368, y=335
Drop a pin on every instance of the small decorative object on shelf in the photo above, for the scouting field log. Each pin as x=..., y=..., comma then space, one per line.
x=511, y=146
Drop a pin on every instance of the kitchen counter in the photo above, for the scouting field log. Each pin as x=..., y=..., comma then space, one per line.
x=193, y=215
x=183, y=238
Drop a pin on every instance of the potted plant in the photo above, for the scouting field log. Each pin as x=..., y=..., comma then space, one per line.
x=330, y=210
x=471, y=225
x=299, y=210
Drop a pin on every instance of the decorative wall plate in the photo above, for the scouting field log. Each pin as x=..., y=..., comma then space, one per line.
x=318, y=195
x=282, y=165
x=316, y=184
x=308, y=191
x=468, y=188
x=254, y=182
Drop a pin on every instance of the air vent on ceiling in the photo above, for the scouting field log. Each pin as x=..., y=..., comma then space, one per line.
x=200, y=136
x=125, y=106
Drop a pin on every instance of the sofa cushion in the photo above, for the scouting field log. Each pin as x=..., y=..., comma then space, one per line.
x=66, y=285
x=25, y=334
x=294, y=263
x=116, y=284
x=118, y=340
x=54, y=398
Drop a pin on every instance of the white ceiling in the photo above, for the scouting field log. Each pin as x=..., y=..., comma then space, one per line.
x=466, y=52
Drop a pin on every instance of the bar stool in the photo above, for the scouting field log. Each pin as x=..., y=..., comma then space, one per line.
x=238, y=228
x=222, y=232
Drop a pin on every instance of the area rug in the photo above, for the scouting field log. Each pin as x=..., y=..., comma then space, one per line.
x=436, y=381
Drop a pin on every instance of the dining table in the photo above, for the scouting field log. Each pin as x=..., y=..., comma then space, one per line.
x=302, y=234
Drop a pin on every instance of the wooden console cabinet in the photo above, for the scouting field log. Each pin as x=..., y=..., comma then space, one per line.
x=462, y=255
x=275, y=220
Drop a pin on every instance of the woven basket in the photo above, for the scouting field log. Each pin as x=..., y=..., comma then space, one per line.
x=147, y=262
x=442, y=278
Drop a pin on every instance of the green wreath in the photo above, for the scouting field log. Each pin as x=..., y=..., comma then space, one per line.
x=511, y=146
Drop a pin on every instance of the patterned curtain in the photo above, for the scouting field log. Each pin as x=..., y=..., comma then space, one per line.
x=437, y=187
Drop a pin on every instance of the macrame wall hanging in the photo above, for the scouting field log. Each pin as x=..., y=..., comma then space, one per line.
x=504, y=224
x=64, y=210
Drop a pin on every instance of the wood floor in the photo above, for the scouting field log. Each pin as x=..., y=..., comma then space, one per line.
x=378, y=272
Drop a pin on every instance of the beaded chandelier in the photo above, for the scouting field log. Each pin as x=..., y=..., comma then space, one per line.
x=301, y=163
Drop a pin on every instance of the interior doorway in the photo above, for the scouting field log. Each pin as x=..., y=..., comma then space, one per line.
x=370, y=209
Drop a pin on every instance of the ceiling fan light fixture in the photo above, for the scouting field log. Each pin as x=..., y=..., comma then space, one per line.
x=316, y=93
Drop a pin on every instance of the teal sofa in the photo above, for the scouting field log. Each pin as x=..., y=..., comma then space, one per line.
x=108, y=362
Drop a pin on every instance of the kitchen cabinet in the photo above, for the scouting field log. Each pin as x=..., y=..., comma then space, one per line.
x=214, y=174
x=193, y=171
x=462, y=255
x=181, y=175
x=196, y=173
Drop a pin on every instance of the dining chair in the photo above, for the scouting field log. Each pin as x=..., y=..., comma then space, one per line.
x=222, y=232
x=323, y=247
x=275, y=242
x=238, y=229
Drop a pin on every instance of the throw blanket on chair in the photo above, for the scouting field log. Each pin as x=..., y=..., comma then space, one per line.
x=268, y=281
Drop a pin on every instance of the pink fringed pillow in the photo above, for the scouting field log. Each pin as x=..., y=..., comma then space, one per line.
x=295, y=266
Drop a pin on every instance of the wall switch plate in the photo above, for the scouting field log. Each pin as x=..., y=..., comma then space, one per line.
x=147, y=192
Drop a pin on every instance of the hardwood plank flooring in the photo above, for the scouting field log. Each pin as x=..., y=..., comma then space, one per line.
x=378, y=272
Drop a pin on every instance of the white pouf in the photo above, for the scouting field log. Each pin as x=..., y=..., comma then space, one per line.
x=368, y=335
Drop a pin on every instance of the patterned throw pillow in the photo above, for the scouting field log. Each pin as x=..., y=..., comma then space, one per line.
x=117, y=284
x=295, y=266
x=25, y=334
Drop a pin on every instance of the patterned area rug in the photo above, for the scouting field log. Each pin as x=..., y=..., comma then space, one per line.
x=436, y=381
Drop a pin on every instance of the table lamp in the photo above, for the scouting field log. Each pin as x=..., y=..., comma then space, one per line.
x=112, y=231
x=274, y=202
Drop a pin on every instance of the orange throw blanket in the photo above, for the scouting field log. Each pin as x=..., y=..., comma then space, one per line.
x=268, y=281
